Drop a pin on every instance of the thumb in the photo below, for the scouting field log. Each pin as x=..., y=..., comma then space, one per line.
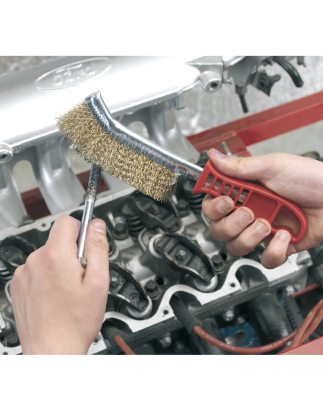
x=97, y=252
x=246, y=168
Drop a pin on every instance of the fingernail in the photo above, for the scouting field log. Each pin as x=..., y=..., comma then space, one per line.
x=218, y=153
x=99, y=226
x=244, y=216
x=284, y=235
x=261, y=227
x=223, y=206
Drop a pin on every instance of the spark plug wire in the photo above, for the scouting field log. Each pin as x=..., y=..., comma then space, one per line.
x=123, y=345
x=192, y=324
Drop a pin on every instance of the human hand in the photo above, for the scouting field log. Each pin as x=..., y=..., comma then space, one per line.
x=58, y=306
x=296, y=178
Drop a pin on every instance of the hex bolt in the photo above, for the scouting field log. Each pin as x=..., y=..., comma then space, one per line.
x=154, y=209
x=12, y=340
x=134, y=298
x=151, y=287
x=183, y=207
x=179, y=348
x=120, y=231
x=165, y=341
x=114, y=281
x=180, y=255
x=297, y=286
x=217, y=261
x=240, y=321
x=228, y=316
x=289, y=290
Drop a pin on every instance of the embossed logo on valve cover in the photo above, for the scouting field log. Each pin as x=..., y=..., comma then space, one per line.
x=73, y=74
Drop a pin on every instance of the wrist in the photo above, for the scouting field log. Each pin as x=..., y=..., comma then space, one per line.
x=54, y=348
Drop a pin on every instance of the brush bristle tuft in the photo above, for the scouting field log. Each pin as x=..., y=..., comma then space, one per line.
x=96, y=146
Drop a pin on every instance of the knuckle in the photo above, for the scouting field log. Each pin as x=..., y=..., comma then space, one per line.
x=51, y=253
x=233, y=250
x=63, y=217
x=19, y=272
x=101, y=243
x=31, y=259
x=100, y=282
x=228, y=229
x=215, y=232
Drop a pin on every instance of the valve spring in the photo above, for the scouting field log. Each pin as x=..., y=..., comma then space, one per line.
x=134, y=223
x=5, y=275
x=195, y=200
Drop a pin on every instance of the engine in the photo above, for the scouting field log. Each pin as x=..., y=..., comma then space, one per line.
x=161, y=253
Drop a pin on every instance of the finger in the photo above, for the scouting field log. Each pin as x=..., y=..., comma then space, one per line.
x=249, y=238
x=231, y=226
x=97, y=254
x=276, y=251
x=247, y=168
x=216, y=208
x=63, y=235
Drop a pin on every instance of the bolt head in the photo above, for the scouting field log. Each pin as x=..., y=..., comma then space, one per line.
x=217, y=261
x=154, y=209
x=134, y=298
x=228, y=316
x=240, y=321
x=183, y=207
x=166, y=341
x=151, y=287
x=180, y=255
x=289, y=290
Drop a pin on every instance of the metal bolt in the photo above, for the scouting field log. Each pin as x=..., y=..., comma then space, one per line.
x=114, y=278
x=240, y=321
x=228, y=316
x=154, y=209
x=120, y=231
x=217, y=261
x=180, y=255
x=179, y=347
x=289, y=290
x=151, y=287
x=134, y=298
x=166, y=341
x=183, y=207
x=297, y=286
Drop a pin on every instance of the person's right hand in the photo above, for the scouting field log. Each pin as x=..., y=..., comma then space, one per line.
x=296, y=178
x=58, y=306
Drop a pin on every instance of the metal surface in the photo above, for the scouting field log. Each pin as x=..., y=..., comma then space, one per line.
x=129, y=83
x=92, y=189
x=139, y=143
x=138, y=257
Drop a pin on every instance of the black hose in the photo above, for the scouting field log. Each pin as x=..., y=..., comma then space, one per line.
x=290, y=69
x=184, y=316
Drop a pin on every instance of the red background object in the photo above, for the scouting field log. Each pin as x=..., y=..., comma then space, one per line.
x=311, y=348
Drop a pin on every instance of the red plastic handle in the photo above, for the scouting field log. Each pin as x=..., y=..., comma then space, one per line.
x=263, y=202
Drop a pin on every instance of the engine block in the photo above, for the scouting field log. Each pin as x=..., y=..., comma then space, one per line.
x=157, y=250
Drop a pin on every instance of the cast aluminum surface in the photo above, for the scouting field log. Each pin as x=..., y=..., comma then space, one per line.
x=141, y=259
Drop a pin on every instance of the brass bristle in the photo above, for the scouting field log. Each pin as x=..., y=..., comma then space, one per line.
x=95, y=145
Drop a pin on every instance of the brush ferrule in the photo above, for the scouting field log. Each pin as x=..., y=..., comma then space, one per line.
x=92, y=188
x=139, y=143
x=86, y=218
